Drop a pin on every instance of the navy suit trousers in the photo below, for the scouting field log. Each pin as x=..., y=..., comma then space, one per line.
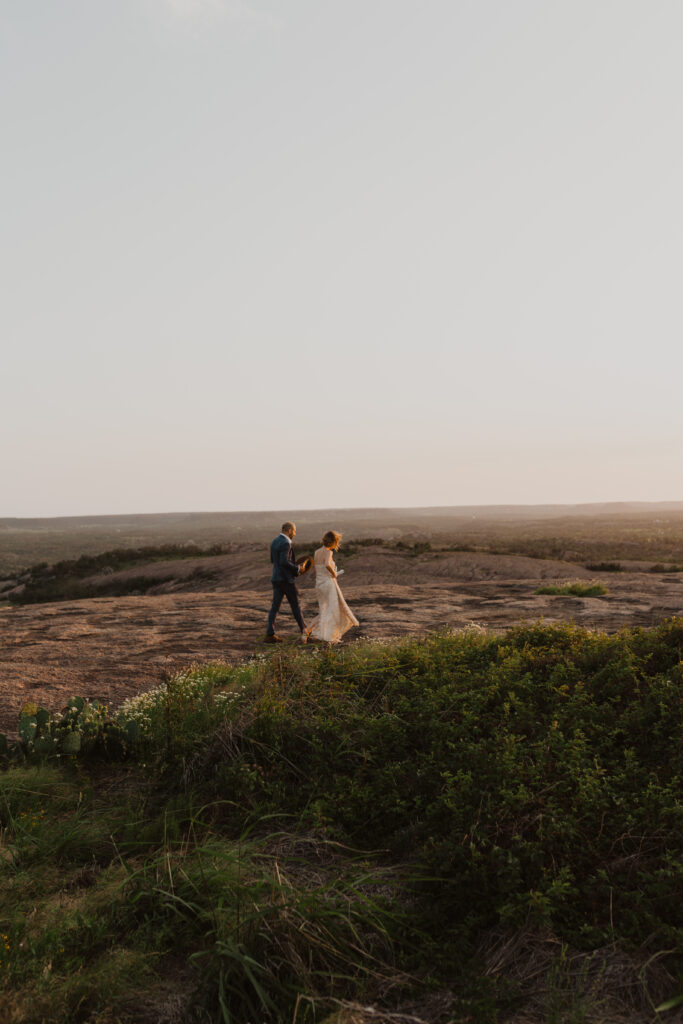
x=289, y=591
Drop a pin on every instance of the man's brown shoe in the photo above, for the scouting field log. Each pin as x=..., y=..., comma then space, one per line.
x=271, y=638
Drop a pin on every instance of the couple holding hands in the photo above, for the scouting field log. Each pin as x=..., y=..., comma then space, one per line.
x=334, y=615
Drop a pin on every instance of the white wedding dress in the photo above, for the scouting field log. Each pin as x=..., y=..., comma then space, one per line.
x=334, y=615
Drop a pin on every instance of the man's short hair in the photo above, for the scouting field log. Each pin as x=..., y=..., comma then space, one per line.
x=286, y=527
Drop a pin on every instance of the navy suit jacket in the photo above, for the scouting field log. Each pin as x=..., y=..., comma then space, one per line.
x=285, y=568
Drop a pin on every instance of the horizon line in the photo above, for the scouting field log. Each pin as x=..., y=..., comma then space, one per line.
x=347, y=508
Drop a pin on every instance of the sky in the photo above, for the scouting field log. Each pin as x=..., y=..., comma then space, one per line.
x=305, y=254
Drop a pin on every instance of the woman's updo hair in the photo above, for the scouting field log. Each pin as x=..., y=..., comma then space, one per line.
x=332, y=539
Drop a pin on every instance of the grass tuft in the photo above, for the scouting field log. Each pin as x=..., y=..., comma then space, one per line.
x=575, y=589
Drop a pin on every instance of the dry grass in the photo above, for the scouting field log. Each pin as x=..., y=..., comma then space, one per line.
x=355, y=1013
x=558, y=985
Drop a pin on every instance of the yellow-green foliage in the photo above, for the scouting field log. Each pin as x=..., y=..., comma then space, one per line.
x=575, y=589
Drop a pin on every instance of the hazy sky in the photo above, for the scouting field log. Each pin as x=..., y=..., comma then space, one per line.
x=298, y=253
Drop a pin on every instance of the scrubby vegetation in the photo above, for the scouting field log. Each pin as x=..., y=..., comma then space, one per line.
x=351, y=547
x=575, y=589
x=592, y=535
x=68, y=580
x=454, y=828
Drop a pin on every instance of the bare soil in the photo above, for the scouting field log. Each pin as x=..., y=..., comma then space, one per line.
x=114, y=647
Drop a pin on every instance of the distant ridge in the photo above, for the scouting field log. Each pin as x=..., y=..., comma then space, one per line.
x=494, y=511
x=601, y=530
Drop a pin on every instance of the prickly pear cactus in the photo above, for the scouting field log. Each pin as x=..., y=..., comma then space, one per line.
x=28, y=727
x=44, y=745
x=42, y=718
x=71, y=742
x=81, y=729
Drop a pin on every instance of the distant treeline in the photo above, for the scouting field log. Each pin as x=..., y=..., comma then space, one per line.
x=63, y=580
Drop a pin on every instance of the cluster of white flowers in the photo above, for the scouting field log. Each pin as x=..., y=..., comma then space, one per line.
x=142, y=708
x=148, y=707
x=189, y=685
x=225, y=697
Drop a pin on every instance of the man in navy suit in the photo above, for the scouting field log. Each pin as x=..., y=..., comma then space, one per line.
x=285, y=571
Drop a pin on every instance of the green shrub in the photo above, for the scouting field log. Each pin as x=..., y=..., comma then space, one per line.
x=65, y=580
x=512, y=769
x=179, y=715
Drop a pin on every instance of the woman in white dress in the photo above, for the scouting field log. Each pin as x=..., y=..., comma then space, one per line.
x=334, y=615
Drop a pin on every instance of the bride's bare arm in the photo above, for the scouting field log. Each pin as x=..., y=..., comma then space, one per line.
x=328, y=564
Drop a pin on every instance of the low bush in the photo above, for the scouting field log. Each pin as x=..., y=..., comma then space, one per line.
x=178, y=716
x=420, y=547
x=65, y=580
x=352, y=546
x=575, y=589
x=509, y=768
